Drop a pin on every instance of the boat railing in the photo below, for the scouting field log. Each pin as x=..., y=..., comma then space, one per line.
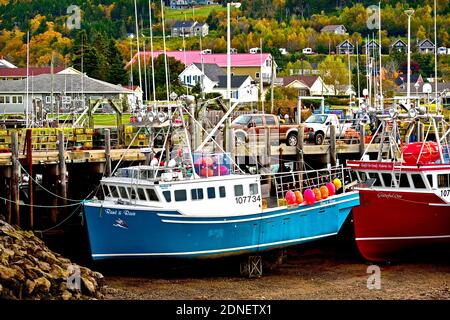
x=274, y=186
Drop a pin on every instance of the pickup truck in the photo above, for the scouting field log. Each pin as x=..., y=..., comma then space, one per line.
x=317, y=127
x=247, y=124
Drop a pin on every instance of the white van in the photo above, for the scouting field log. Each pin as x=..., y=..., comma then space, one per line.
x=307, y=51
x=255, y=50
x=442, y=50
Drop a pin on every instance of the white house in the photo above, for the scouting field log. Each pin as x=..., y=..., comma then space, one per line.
x=195, y=72
x=425, y=46
x=308, y=85
x=336, y=29
x=243, y=89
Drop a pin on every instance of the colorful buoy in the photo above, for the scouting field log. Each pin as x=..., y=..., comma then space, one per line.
x=290, y=197
x=337, y=183
x=324, y=192
x=309, y=196
x=298, y=197
x=317, y=194
x=331, y=189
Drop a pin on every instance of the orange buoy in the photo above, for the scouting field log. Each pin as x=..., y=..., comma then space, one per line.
x=317, y=194
x=324, y=192
x=298, y=197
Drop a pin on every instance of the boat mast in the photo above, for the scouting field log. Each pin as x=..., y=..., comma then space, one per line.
x=152, y=54
x=381, y=103
x=137, y=42
x=435, y=60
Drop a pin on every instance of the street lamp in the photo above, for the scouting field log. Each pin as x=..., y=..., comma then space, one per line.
x=409, y=13
x=236, y=5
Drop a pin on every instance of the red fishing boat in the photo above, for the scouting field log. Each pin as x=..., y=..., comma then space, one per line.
x=405, y=200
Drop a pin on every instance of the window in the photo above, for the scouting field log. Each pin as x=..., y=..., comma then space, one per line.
x=238, y=190
x=7, y=99
x=19, y=99
x=418, y=181
x=141, y=194
x=443, y=180
x=257, y=75
x=222, y=192
x=151, y=194
x=258, y=121
x=167, y=196
x=211, y=193
x=375, y=176
x=123, y=193
x=430, y=179
x=404, y=183
x=363, y=176
x=132, y=193
x=270, y=121
x=14, y=99
x=387, y=178
x=2, y=99
x=235, y=94
x=180, y=195
x=253, y=189
x=114, y=192
x=197, y=194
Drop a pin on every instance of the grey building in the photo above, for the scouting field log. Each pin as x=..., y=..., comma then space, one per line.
x=71, y=93
x=399, y=46
x=425, y=46
x=189, y=29
x=345, y=47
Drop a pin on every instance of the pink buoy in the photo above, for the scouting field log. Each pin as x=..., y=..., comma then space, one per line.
x=331, y=189
x=309, y=196
x=223, y=170
x=290, y=197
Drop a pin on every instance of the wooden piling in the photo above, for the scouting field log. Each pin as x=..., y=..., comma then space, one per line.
x=268, y=146
x=300, y=146
x=362, y=138
x=332, y=150
x=108, y=152
x=8, y=203
x=15, y=176
x=62, y=168
x=30, y=179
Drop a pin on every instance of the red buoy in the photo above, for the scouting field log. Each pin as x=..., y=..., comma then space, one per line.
x=412, y=155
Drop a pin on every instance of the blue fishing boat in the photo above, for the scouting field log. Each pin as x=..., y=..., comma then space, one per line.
x=171, y=212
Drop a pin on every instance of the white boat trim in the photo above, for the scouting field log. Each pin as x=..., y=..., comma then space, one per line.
x=303, y=209
x=439, y=205
x=402, y=238
x=209, y=251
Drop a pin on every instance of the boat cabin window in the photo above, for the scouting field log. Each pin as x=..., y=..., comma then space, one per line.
x=151, y=194
x=180, y=195
x=443, y=180
x=238, y=190
x=253, y=189
x=141, y=194
x=167, y=196
x=197, y=194
x=362, y=176
x=387, y=179
x=123, y=193
x=404, y=182
x=375, y=176
x=430, y=180
x=211, y=193
x=418, y=181
x=113, y=192
x=222, y=192
x=132, y=193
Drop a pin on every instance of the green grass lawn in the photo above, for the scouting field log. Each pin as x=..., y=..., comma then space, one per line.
x=200, y=13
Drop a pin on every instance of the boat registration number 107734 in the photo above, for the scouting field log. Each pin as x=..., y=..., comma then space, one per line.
x=247, y=199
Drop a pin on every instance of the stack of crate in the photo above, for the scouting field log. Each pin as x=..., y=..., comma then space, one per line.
x=5, y=140
x=44, y=139
x=142, y=140
x=83, y=137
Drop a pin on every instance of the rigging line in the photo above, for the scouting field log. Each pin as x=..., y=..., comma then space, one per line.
x=42, y=206
x=214, y=141
x=123, y=155
x=54, y=194
x=60, y=223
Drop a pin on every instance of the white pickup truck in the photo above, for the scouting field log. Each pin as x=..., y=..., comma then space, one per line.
x=317, y=127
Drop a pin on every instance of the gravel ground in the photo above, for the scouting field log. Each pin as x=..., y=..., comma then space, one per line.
x=323, y=271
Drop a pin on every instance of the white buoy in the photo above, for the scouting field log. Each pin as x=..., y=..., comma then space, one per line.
x=154, y=162
x=172, y=163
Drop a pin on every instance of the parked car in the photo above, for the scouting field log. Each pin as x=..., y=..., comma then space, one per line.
x=248, y=124
x=307, y=51
x=317, y=127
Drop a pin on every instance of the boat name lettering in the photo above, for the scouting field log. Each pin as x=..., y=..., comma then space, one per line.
x=379, y=166
x=389, y=196
x=120, y=212
x=247, y=199
x=445, y=193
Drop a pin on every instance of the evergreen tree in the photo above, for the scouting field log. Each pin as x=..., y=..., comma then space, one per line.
x=117, y=73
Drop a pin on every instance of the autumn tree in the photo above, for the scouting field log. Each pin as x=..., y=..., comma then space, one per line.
x=334, y=72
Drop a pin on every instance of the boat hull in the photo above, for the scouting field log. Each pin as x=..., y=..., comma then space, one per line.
x=121, y=231
x=389, y=225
